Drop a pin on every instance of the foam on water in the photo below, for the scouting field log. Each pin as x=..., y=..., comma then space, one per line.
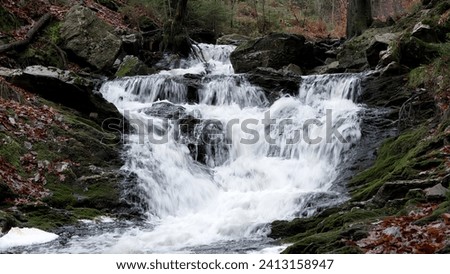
x=25, y=236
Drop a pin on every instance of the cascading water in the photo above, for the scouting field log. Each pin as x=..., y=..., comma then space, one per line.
x=259, y=162
x=270, y=171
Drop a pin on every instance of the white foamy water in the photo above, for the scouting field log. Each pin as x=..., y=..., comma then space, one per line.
x=258, y=182
x=25, y=236
x=257, y=174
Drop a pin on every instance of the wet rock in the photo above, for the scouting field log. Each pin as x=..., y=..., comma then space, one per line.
x=275, y=83
x=232, y=39
x=165, y=110
x=274, y=51
x=425, y=33
x=132, y=66
x=89, y=38
x=394, y=93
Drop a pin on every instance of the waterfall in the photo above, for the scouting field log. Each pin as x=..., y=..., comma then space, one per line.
x=214, y=162
x=253, y=172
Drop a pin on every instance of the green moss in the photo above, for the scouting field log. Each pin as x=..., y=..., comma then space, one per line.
x=45, y=151
x=345, y=218
x=394, y=161
x=53, y=32
x=417, y=77
x=47, y=218
x=11, y=150
x=127, y=67
x=327, y=242
x=62, y=195
x=86, y=213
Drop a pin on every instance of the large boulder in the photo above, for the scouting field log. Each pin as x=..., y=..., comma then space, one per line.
x=66, y=88
x=425, y=33
x=274, y=51
x=89, y=38
x=379, y=44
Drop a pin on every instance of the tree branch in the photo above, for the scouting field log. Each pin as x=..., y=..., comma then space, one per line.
x=29, y=36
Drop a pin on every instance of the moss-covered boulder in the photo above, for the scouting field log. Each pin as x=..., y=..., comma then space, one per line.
x=89, y=38
x=132, y=66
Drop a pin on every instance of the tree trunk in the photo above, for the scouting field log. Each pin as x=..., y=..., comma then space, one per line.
x=359, y=16
x=176, y=37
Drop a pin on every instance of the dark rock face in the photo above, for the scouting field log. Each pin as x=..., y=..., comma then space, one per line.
x=205, y=138
x=66, y=88
x=384, y=90
x=132, y=44
x=425, y=33
x=415, y=52
x=165, y=110
x=275, y=83
x=399, y=189
x=90, y=39
x=274, y=51
x=379, y=44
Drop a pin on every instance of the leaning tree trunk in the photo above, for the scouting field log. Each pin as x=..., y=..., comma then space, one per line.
x=359, y=16
x=176, y=37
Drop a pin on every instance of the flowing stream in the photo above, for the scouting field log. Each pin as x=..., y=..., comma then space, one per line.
x=216, y=165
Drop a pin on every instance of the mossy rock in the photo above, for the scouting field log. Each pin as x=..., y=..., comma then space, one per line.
x=47, y=218
x=394, y=161
x=132, y=66
x=322, y=243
